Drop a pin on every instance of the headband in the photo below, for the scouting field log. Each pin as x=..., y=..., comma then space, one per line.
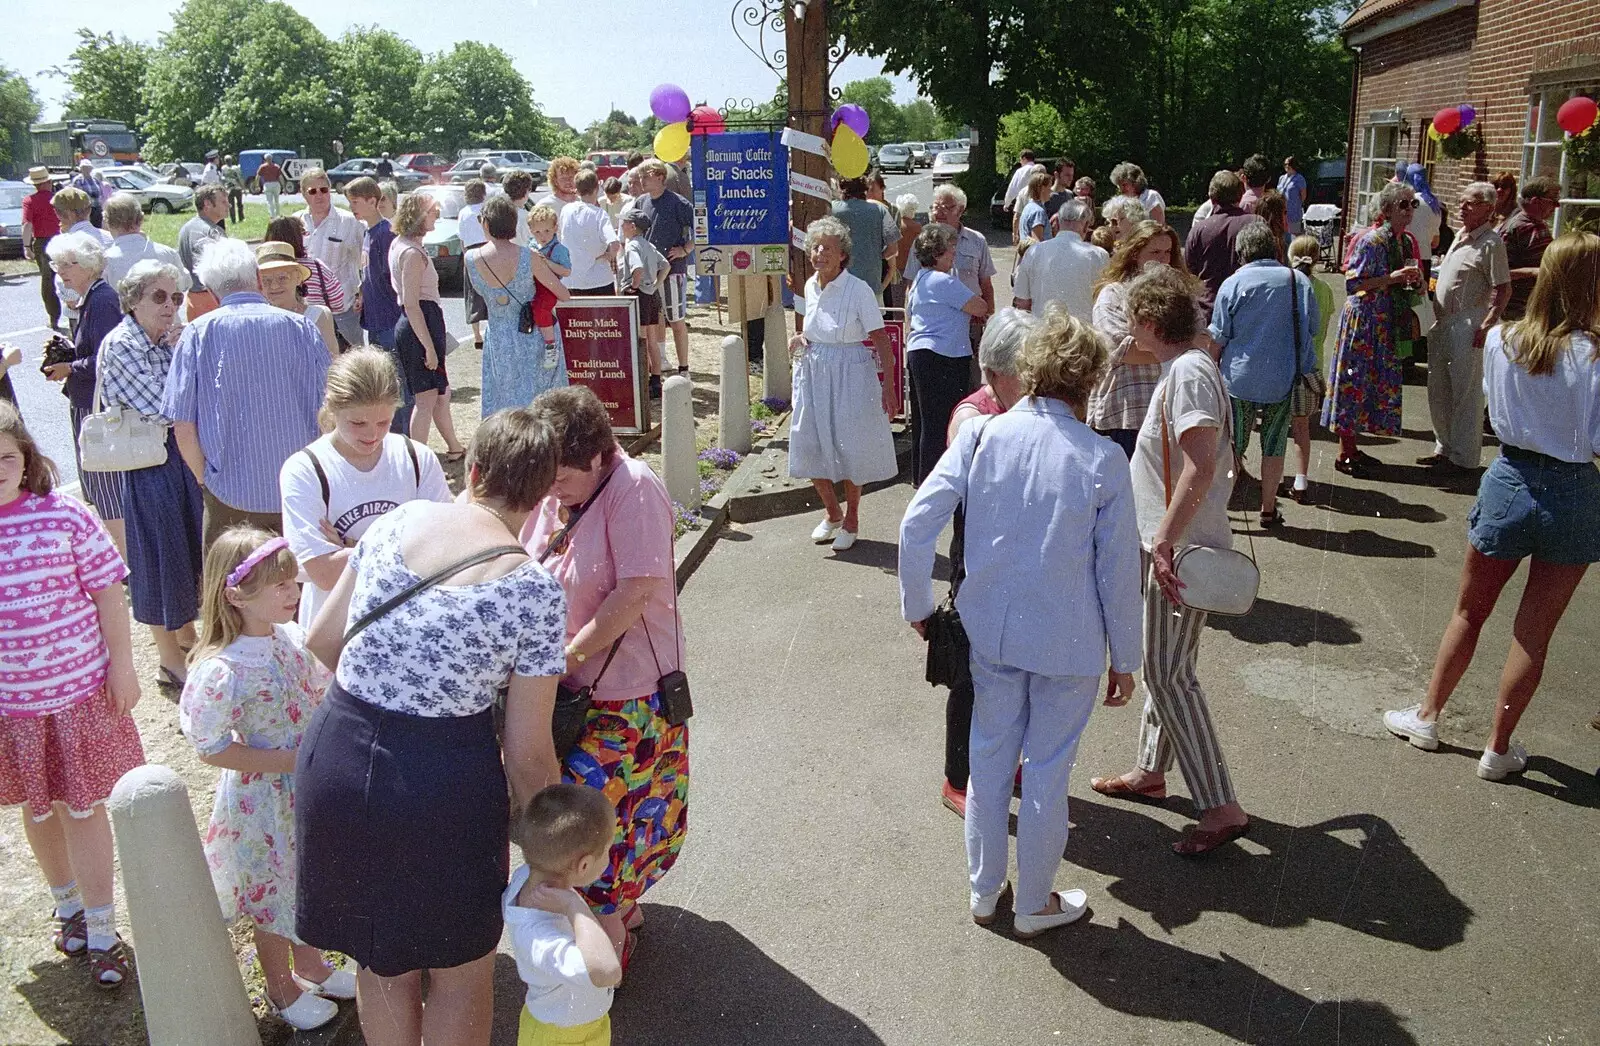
x=253, y=560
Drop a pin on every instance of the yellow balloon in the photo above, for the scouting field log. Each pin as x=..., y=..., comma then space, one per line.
x=850, y=157
x=672, y=142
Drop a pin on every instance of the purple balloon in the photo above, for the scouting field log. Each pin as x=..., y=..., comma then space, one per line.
x=670, y=103
x=1468, y=114
x=854, y=117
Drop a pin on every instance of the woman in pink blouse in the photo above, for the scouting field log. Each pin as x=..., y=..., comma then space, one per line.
x=67, y=684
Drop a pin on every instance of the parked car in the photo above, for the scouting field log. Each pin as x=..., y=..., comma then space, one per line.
x=948, y=164
x=897, y=158
x=428, y=165
x=920, y=154
x=609, y=163
x=11, y=196
x=250, y=162
x=366, y=167
x=184, y=174
x=504, y=160
x=443, y=244
x=154, y=196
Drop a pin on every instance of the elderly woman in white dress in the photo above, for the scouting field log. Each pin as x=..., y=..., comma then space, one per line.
x=840, y=430
x=1051, y=596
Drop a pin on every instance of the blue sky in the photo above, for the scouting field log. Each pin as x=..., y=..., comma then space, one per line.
x=581, y=56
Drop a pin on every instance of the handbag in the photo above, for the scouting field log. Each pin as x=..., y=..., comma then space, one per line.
x=949, y=650
x=118, y=440
x=1220, y=581
x=525, y=319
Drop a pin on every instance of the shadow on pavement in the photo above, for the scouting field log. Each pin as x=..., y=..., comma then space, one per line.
x=1272, y=622
x=1369, y=880
x=1122, y=968
x=1365, y=543
x=701, y=982
x=1364, y=501
x=60, y=994
x=1547, y=776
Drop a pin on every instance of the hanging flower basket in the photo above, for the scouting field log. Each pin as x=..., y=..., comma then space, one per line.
x=1583, y=151
x=1462, y=144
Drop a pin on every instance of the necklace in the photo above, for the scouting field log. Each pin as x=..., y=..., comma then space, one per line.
x=498, y=515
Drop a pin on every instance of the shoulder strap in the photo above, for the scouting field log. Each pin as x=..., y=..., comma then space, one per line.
x=558, y=540
x=1226, y=407
x=416, y=466
x=322, y=478
x=1294, y=312
x=428, y=582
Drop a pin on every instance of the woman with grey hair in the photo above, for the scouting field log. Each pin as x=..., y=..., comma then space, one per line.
x=1381, y=281
x=840, y=430
x=80, y=260
x=1123, y=214
x=162, y=503
x=1265, y=321
x=1001, y=389
x=938, y=347
x=1130, y=182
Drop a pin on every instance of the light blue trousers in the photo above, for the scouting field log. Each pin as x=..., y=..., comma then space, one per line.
x=1038, y=719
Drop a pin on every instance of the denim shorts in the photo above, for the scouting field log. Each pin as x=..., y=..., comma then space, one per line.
x=1533, y=505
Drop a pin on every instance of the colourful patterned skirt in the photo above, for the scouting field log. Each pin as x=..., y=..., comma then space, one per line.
x=628, y=751
x=74, y=757
x=1364, y=375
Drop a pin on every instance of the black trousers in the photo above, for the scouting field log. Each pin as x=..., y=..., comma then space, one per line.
x=958, y=706
x=938, y=383
x=47, y=280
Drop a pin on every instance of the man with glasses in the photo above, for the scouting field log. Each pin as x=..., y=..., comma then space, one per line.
x=1527, y=234
x=1473, y=289
x=974, y=267
x=211, y=208
x=334, y=237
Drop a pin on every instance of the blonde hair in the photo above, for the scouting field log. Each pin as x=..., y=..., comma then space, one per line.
x=1304, y=249
x=541, y=214
x=221, y=621
x=360, y=378
x=410, y=213
x=561, y=165
x=1062, y=358
x=1124, y=264
x=1038, y=183
x=1565, y=301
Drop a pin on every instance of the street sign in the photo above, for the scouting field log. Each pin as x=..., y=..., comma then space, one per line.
x=604, y=352
x=741, y=188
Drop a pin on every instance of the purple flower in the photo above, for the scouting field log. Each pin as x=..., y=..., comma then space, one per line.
x=776, y=404
x=721, y=457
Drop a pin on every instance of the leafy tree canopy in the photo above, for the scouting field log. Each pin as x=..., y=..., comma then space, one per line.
x=106, y=76
x=18, y=108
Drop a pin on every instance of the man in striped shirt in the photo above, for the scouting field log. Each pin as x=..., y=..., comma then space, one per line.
x=243, y=393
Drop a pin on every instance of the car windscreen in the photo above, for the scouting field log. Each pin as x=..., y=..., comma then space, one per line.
x=11, y=197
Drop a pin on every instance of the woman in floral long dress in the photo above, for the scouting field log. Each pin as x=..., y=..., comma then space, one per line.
x=1364, y=382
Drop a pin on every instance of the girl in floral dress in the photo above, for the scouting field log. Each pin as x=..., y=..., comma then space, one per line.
x=251, y=689
x=67, y=684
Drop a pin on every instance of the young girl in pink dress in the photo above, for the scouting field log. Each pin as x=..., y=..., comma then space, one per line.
x=67, y=684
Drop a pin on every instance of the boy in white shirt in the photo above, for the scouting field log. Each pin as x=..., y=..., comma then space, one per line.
x=643, y=269
x=563, y=954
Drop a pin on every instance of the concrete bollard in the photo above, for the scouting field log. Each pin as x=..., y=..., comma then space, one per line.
x=776, y=376
x=678, y=467
x=733, y=422
x=188, y=975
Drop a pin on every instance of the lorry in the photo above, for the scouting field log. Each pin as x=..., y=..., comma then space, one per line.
x=62, y=144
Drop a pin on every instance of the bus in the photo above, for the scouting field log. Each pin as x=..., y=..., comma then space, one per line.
x=62, y=144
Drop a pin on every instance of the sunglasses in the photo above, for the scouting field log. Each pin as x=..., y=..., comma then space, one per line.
x=1410, y=204
x=316, y=192
x=160, y=297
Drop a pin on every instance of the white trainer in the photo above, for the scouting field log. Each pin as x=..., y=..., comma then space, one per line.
x=1073, y=904
x=843, y=540
x=825, y=531
x=1409, y=724
x=1493, y=767
x=983, y=905
x=341, y=984
x=309, y=1011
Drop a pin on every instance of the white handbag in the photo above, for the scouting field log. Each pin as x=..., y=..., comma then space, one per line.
x=1220, y=581
x=118, y=440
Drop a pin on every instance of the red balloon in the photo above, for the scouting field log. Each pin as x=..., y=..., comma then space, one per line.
x=1577, y=115
x=1447, y=121
x=706, y=120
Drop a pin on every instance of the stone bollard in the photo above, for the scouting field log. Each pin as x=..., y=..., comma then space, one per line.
x=776, y=376
x=678, y=467
x=733, y=422
x=188, y=975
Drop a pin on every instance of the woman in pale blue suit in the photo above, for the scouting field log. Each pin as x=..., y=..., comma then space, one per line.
x=1052, y=585
x=516, y=365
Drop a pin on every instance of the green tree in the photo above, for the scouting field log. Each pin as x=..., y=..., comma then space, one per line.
x=876, y=96
x=377, y=72
x=19, y=107
x=472, y=95
x=283, y=90
x=919, y=121
x=106, y=75
x=193, y=64
x=620, y=131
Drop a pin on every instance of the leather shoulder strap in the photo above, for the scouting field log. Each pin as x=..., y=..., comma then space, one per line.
x=428, y=582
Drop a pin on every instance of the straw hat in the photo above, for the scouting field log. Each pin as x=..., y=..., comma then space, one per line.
x=275, y=254
x=38, y=175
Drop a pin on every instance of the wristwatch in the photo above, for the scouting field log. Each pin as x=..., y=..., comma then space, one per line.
x=576, y=654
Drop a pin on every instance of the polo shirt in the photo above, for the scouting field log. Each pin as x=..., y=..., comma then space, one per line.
x=671, y=225
x=1062, y=269
x=1471, y=269
x=38, y=212
x=1525, y=241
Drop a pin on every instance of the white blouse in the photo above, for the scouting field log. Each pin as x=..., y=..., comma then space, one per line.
x=1556, y=414
x=844, y=312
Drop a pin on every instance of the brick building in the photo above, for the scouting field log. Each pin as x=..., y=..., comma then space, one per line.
x=1515, y=61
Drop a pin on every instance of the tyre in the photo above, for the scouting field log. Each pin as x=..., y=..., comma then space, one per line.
x=290, y=187
x=160, y=207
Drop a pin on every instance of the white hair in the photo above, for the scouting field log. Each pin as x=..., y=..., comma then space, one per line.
x=952, y=193
x=1119, y=207
x=227, y=266
x=1483, y=192
x=1002, y=339
x=825, y=227
x=1255, y=242
x=906, y=205
x=1074, y=210
x=77, y=248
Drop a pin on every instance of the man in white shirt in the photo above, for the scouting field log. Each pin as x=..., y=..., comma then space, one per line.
x=212, y=175
x=129, y=245
x=1061, y=269
x=1019, y=178
x=333, y=237
x=590, y=239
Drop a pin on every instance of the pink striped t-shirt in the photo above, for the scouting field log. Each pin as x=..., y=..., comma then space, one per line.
x=54, y=555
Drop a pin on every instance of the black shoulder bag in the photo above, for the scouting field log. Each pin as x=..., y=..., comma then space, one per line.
x=949, y=651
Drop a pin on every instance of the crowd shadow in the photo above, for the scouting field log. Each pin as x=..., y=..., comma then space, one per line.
x=1272, y=622
x=1364, y=501
x=1125, y=969
x=465, y=394
x=60, y=994
x=1374, y=884
x=1546, y=776
x=1364, y=543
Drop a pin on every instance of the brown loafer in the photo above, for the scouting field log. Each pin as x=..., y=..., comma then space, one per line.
x=1198, y=841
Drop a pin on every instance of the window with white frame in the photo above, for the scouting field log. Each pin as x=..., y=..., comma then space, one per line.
x=1380, y=153
x=1544, y=155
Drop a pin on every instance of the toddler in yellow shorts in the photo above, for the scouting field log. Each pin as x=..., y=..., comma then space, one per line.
x=563, y=954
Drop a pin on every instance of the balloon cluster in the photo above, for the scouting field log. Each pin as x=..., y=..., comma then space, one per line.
x=670, y=104
x=848, y=125
x=1577, y=115
x=1449, y=121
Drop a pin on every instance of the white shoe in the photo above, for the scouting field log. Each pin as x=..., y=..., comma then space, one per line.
x=825, y=531
x=1073, y=904
x=309, y=1011
x=983, y=906
x=341, y=984
x=1408, y=723
x=1493, y=767
x=843, y=540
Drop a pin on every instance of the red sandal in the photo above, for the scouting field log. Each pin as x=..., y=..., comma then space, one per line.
x=1117, y=788
x=112, y=960
x=1199, y=841
x=72, y=938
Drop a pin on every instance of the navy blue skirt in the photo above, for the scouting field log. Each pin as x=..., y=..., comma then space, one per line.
x=402, y=836
x=163, y=511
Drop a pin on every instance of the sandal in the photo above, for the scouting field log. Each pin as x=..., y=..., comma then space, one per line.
x=629, y=944
x=1117, y=788
x=1198, y=841
x=167, y=681
x=109, y=961
x=1272, y=521
x=72, y=938
x=450, y=457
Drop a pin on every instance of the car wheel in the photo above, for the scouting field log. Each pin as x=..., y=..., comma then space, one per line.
x=290, y=188
x=160, y=207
